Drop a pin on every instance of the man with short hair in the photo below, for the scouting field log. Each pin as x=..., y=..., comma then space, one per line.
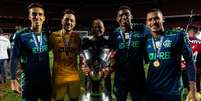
x=164, y=49
x=96, y=45
x=66, y=46
x=31, y=50
x=129, y=41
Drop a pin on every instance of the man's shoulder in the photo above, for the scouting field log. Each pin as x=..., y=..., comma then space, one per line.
x=75, y=33
x=138, y=27
x=56, y=33
x=117, y=29
x=174, y=31
x=86, y=42
x=87, y=38
x=116, y=32
x=141, y=29
x=22, y=32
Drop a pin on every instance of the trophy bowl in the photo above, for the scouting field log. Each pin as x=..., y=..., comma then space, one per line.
x=96, y=61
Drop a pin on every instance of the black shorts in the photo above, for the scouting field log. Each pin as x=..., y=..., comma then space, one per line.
x=34, y=92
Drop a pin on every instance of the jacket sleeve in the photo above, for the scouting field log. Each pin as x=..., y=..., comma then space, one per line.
x=15, y=56
x=187, y=54
x=111, y=41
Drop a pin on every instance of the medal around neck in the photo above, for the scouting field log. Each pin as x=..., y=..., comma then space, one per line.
x=158, y=44
x=126, y=35
x=156, y=63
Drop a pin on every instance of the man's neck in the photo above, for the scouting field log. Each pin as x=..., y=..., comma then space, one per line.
x=156, y=34
x=65, y=31
x=126, y=29
x=37, y=29
x=98, y=37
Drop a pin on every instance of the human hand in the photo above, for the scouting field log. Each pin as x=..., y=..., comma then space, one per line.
x=192, y=91
x=106, y=71
x=84, y=67
x=191, y=97
x=86, y=70
x=15, y=86
x=183, y=64
x=113, y=53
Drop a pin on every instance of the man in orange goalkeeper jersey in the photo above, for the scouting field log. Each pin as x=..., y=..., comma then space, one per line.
x=66, y=46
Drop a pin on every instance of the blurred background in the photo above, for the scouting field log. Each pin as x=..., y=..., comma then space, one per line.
x=13, y=13
x=13, y=16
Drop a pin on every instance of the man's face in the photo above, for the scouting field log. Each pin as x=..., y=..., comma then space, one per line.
x=36, y=16
x=155, y=21
x=68, y=22
x=97, y=28
x=191, y=33
x=124, y=17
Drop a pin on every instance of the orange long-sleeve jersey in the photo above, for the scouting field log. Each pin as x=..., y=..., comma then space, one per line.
x=65, y=56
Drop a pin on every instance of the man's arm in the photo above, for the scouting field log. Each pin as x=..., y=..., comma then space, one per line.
x=83, y=66
x=50, y=41
x=146, y=34
x=112, y=45
x=14, y=61
x=191, y=69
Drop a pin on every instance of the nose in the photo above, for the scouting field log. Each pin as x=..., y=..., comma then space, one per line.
x=154, y=20
x=37, y=16
x=68, y=21
x=124, y=17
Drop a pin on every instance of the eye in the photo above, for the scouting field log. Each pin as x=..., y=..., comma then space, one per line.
x=34, y=14
x=156, y=18
x=40, y=14
x=127, y=14
x=149, y=19
x=68, y=20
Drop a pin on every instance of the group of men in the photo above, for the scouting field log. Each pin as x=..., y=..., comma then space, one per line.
x=132, y=43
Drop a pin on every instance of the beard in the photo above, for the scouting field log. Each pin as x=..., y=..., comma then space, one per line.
x=155, y=28
x=68, y=28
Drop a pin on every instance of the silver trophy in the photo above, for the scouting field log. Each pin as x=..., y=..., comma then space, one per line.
x=97, y=61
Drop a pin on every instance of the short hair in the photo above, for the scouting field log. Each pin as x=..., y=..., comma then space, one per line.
x=97, y=19
x=35, y=4
x=68, y=11
x=124, y=7
x=154, y=10
x=192, y=28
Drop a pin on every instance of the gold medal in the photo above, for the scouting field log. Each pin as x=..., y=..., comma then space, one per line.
x=126, y=35
x=158, y=44
x=156, y=63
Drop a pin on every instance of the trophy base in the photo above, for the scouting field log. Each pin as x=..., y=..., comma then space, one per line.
x=95, y=97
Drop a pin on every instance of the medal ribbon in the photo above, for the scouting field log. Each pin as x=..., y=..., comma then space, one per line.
x=124, y=40
x=66, y=42
x=157, y=50
x=38, y=43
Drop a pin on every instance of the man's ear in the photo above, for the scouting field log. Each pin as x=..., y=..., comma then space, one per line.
x=163, y=19
x=29, y=17
x=117, y=19
x=61, y=21
x=131, y=17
